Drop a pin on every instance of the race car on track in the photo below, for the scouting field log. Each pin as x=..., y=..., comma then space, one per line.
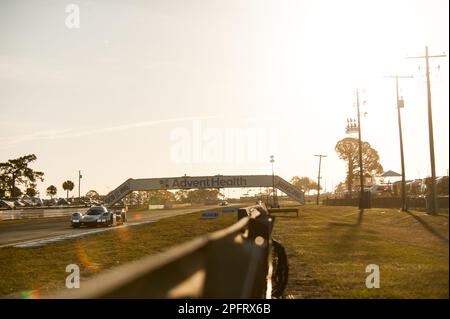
x=223, y=203
x=98, y=216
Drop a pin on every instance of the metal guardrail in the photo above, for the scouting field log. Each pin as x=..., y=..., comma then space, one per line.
x=39, y=213
x=388, y=202
x=283, y=210
x=235, y=262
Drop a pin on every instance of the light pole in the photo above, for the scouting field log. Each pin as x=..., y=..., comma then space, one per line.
x=361, y=174
x=401, y=104
x=352, y=127
x=318, y=178
x=79, y=184
x=275, y=200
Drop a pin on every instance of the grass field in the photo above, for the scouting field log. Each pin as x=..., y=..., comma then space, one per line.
x=32, y=272
x=328, y=253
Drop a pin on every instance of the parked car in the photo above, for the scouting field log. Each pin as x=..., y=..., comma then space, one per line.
x=381, y=191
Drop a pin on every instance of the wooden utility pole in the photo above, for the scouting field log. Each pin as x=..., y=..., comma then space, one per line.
x=318, y=178
x=352, y=128
x=432, y=206
x=401, y=104
x=361, y=171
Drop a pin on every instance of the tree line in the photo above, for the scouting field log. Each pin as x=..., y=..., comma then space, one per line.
x=348, y=150
x=161, y=197
x=18, y=178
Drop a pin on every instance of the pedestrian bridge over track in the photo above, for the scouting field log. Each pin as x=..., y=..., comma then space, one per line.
x=217, y=181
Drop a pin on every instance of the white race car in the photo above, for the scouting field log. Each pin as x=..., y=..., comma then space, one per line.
x=98, y=216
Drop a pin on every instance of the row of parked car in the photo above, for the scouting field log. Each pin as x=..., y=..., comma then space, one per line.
x=26, y=201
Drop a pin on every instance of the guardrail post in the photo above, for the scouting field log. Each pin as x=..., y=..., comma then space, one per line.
x=241, y=213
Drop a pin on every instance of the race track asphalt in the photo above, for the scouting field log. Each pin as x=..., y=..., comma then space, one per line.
x=15, y=232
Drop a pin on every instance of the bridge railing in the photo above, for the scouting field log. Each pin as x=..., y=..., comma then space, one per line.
x=231, y=263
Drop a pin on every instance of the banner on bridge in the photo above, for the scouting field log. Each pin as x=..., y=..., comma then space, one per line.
x=217, y=181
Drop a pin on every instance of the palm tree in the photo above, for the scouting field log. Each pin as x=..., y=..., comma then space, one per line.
x=51, y=191
x=92, y=194
x=68, y=186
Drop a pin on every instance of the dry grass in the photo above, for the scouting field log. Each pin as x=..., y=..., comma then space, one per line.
x=30, y=272
x=328, y=253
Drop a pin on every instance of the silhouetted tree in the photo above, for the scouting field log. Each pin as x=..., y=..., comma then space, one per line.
x=17, y=192
x=4, y=185
x=159, y=197
x=92, y=194
x=442, y=186
x=68, y=186
x=304, y=183
x=51, y=191
x=348, y=150
x=31, y=192
x=16, y=172
x=181, y=195
x=199, y=195
x=341, y=187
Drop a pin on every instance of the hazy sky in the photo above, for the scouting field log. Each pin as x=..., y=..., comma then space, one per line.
x=164, y=88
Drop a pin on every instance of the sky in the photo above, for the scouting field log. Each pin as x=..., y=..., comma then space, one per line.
x=165, y=88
